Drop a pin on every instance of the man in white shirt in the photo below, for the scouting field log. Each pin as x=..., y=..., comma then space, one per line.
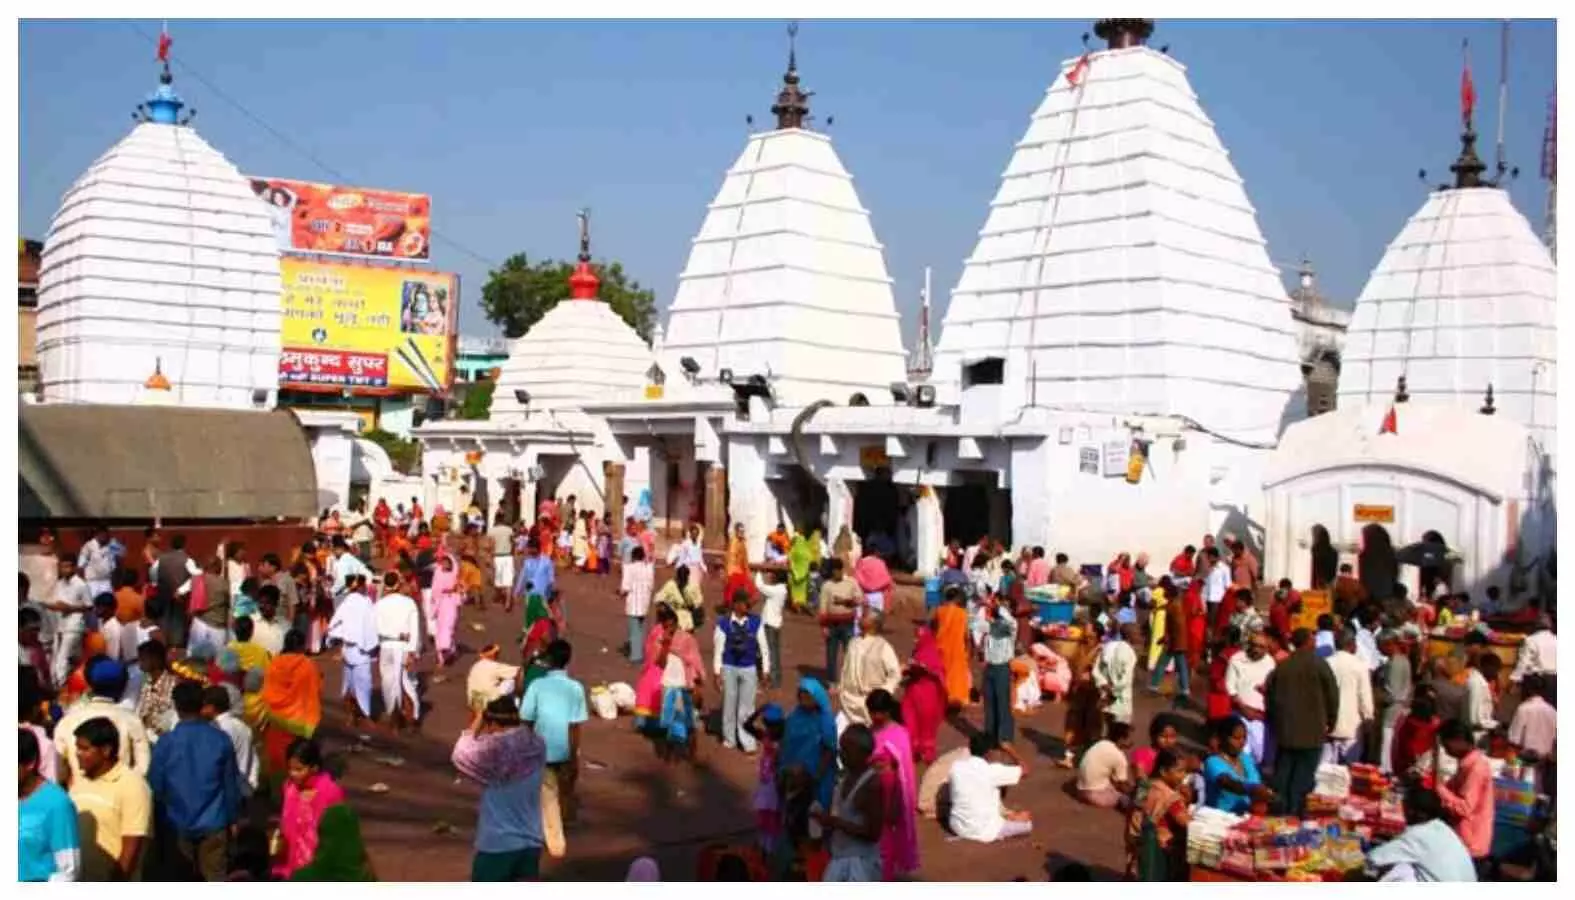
x=1538, y=655
x=975, y=783
x=739, y=655
x=267, y=629
x=688, y=553
x=354, y=629
x=71, y=603
x=639, y=580
x=97, y=562
x=399, y=641
x=773, y=597
x=345, y=564
x=1244, y=680
x=502, y=537
x=216, y=709
x=1355, y=683
x=106, y=686
x=1480, y=675
x=1216, y=584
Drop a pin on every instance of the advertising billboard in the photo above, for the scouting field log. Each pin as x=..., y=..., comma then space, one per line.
x=343, y=221
x=359, y=327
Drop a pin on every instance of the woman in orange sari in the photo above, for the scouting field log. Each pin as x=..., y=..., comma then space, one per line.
x=951, y=634
x=292, y=699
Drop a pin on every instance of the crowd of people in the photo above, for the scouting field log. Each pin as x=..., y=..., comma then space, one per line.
x=135, y=669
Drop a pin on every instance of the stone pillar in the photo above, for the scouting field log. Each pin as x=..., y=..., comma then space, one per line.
x=612, y=485
x=715, y=507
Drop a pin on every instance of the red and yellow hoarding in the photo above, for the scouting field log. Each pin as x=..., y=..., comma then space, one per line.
x=325, y=218
x=374, y=330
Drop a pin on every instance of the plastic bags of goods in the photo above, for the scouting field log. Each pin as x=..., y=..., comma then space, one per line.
x=623, y=696
x=1368, y=781
x=602, y=702
x=1332, y=780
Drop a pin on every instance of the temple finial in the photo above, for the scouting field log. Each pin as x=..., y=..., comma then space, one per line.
x=584, y=217
x=792, y=106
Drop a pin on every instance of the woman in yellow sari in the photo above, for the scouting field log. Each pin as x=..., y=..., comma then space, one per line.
x=292, y=695
x=737, y=553
x=1156, y=624
x=801, y=556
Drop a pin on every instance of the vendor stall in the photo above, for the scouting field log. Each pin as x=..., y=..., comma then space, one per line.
x=1446, y=641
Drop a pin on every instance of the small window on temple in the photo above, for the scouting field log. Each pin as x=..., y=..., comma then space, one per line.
x=985, y=371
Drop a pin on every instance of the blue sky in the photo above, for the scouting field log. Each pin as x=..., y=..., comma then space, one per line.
x=511, y=127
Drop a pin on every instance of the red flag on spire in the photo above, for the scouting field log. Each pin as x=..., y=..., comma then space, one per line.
x=1468, y=90
x=164, y=43
x=1078, y=72
x=1391, y=423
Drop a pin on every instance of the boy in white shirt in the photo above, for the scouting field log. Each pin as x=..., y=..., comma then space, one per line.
x=773, y=596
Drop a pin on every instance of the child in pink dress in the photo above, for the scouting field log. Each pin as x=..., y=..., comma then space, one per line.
x=765, y=725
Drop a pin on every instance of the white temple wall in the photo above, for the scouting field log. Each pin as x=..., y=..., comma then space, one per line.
x=749, y=498
x=1470, y=521
x=332, y=451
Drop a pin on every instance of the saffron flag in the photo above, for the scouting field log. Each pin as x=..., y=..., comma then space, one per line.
x=1079, y=71
x=164, y=43
x=1391, y=423
x=1468, y=90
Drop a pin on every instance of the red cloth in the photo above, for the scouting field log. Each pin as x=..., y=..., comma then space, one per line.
x=1413, y=737
x=1218, y=699
x=1181, y=566
x=924, y=696
x=738, y=581
x=1468, y=94
x=1391, y=423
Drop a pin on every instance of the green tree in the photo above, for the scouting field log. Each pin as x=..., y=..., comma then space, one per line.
x=518, y=294
x=403, y=454
x=478, y=400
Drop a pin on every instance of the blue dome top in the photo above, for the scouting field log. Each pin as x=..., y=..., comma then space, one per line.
x=164, y=105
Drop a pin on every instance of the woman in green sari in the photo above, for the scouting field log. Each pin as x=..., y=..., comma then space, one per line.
x=341, y=853
x=801, y=556
x=540, y=630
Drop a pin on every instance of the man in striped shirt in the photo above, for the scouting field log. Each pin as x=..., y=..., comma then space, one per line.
x=639, y=577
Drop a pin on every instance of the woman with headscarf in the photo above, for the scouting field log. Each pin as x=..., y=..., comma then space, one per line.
x=737, y=553
x=440, y=521
x=291, y=694
x=1084, y=720
x=924, y=695
x=682, y=596
x=809, y=739
x=541, y=629
x=341, y=851
x=665, y=700
x=893, y=759
x=950, y=625
x=447, y=597
x=874, y=579
x=801, y=556
x=581, y=545
x=308, y=793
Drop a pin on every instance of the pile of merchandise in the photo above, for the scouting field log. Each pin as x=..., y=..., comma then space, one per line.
x=1350, y=809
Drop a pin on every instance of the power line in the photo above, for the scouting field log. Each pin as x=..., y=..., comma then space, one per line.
x=285, y=139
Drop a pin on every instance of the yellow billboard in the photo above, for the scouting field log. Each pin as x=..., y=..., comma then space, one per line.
x=369, y=330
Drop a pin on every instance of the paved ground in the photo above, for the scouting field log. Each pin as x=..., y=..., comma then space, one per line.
x=632, y=804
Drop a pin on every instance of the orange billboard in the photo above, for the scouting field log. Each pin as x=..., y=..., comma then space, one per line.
x=309, y=217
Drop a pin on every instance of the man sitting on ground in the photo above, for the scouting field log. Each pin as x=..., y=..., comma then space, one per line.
x=975, y=783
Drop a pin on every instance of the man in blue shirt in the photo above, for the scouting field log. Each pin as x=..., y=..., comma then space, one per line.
x=196, y=786
x=536, y=574
x=555, y=707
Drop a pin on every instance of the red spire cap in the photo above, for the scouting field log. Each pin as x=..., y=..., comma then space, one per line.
x=583, y=284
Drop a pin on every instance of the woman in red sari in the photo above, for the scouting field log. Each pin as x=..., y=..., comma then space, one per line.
x=1197, y=621
x=924, y=695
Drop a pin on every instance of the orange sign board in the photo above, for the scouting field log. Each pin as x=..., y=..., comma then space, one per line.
x=1373, y=515
x=328, y=218
x=1314, y=604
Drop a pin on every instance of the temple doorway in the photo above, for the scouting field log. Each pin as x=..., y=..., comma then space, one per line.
x=1377, y=566
x=802, y=502
x=975, y=507
x=881, y=517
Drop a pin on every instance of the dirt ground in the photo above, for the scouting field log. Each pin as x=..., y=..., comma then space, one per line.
x=633, y=805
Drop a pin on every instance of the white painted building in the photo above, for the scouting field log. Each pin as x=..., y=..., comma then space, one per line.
x=786, y=278
x=159, y=285
x=160, y=256
x=1453, y=334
